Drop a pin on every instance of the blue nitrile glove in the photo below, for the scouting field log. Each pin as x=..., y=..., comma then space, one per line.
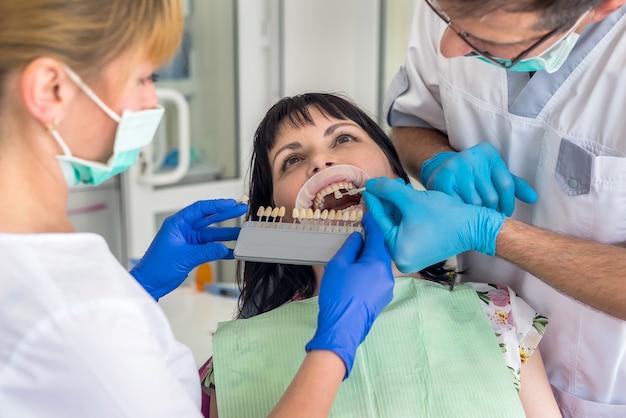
x=422, y=228
x=477, y=176
x=185, y=241
x=356, y=287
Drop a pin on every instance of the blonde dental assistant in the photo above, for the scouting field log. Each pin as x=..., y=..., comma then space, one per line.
x=541, y=95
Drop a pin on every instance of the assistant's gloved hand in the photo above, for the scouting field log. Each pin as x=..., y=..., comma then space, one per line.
x=477, y=176
x=422, y=228
x=184, y=242
x=356, y=287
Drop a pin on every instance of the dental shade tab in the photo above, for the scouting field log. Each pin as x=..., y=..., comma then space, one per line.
x=313, y=238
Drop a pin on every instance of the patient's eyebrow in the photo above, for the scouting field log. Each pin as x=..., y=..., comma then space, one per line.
x=332, y=128
x=291, y=146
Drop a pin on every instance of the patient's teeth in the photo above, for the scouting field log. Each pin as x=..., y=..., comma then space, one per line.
x=338, y=194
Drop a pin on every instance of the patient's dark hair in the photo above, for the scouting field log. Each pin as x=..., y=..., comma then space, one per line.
x=265, y=286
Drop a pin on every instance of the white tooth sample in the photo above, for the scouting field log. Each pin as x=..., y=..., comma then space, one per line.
x=309, y=213
x=338, y=194
x=282, y=211
x=317, y=214
x=338, y=215
x=359, y=215
x=259, y=213
x=245, y=199
x=346, y=216
x=275, y=212
x=331, y=215
x=324, y=214
x=353, y=216
x=302, y=214
x=268, y=212
x=295, y=214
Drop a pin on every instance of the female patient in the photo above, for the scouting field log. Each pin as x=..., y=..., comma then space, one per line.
x=431, y=352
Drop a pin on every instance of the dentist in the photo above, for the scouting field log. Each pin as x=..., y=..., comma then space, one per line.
x=494, y=92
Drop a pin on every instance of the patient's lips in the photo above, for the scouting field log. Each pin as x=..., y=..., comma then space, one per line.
x=328, y=189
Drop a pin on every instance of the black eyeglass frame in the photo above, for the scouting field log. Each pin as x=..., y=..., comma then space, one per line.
x=485, y=54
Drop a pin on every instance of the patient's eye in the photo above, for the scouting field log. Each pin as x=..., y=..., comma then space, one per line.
x=344, y=138
x=291, y=160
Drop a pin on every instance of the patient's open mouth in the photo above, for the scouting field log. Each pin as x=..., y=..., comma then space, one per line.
x=336, y=196
x=337, y=188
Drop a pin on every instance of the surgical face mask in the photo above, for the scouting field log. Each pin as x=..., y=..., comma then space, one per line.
x=134, y=131
x=551, y=59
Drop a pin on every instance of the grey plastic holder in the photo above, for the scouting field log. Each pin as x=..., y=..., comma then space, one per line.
x=291, y=243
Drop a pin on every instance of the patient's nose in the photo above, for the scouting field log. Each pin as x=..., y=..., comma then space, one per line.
x=317, y=167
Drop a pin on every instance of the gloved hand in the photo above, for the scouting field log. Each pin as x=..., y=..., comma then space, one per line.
x=356, y=286
x=184, y=241
x=477, y=176
x=422, y=228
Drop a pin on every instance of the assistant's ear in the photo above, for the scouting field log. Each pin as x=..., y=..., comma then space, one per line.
x=46, y=90
x=604, y=9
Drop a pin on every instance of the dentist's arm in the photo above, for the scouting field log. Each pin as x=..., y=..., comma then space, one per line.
x=424, y=227
x=416, y=145
x=585, y=270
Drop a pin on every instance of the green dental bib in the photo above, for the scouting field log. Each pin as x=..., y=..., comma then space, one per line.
x=431, y=353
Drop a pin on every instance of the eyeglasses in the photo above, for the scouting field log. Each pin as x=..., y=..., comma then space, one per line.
x=486, y=54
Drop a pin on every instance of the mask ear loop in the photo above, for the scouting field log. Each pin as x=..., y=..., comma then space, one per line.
x=52, y=128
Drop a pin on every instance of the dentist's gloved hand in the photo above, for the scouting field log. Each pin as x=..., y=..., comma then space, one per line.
x=422, y=228
x=185, y=241
x=477, y=176
x=356, y=286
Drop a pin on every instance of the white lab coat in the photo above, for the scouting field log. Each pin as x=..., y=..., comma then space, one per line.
x=565, y=134
x=80, y=338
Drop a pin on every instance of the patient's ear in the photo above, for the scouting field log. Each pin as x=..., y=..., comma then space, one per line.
x=46, y=90
x=604, y=9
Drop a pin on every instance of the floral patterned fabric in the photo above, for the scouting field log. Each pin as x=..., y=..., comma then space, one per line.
x=518, y=328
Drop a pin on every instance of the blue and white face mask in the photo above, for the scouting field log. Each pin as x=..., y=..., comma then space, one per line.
x=134, y=131
x=551, y=59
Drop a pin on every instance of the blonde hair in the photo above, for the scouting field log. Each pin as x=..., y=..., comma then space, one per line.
x=88, y=34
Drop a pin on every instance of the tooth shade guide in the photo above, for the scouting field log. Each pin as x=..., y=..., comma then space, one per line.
x=274, y=213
